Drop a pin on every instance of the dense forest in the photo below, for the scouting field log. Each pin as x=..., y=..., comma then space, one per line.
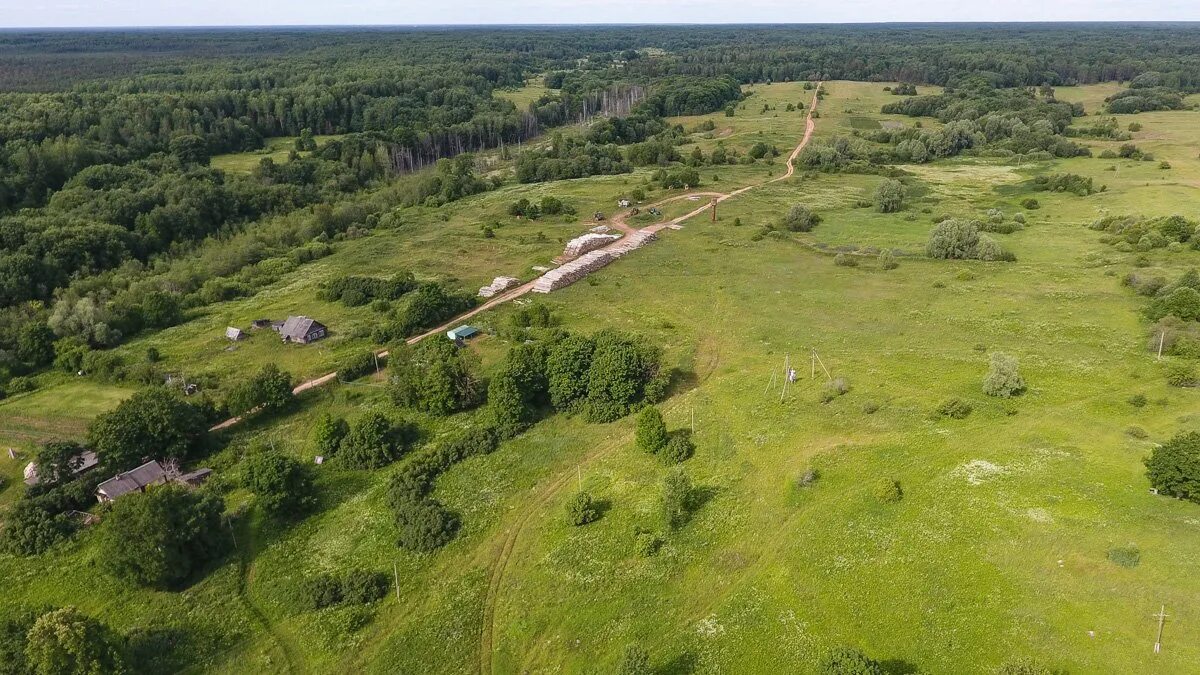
x=107, y=202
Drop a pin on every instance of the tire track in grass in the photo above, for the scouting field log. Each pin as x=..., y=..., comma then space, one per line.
x=487, y=636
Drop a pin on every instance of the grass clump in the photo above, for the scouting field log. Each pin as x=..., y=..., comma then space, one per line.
x=838, y=386
x=1125, y=556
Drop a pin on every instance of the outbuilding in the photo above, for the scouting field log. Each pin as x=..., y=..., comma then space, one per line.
x=461, y=333
x=134, y=480
x=234, y=334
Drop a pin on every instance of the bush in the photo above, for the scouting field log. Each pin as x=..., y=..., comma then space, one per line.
x=808, y=478
x=582, y=509
x=1137, y=400
x=679, y=448
x=372, y=442
x=843, y=260
x=800, y=218
x=889, y=196
x=1003, y=378
x=281, y=485
x=1030, y=204
x=676, y=498
x=266, y=392
x=328, y=434
x=1125, y=556
x=1023, y=667
x=838, y=386
x=887, y=259
x=848, y=661
x=1174, y=467
x=954, y=408
x=424, y=524
x=887, y=491
x=651, y=431
x=1181, y=374
x=355, y=587
x=635, y=660
x=953, y=239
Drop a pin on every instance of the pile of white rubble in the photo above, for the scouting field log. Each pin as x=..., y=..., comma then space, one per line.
x=588, y=242
x=589, y=262
x=498, y=285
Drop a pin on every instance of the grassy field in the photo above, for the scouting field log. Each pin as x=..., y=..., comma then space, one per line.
x=998, y=549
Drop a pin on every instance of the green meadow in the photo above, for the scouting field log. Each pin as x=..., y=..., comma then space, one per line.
x=998, y=549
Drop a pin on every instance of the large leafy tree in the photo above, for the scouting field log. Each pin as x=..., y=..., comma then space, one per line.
x=161, y=537
x=151, y=423
x=435, y=377
x=58, y=460
x=373, y=441
x=67, y=642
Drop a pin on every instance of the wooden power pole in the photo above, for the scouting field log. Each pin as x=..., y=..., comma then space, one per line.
x=714, y=209
x=1162, y=614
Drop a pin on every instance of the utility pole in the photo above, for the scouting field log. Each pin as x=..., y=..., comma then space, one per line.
x=714, y=209
x=1161, y=337
x=1162, y=615
x=396, y=572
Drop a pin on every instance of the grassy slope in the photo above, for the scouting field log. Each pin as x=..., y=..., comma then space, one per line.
x=960, y=572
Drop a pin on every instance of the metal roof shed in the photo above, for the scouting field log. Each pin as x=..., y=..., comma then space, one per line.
x=461, y=333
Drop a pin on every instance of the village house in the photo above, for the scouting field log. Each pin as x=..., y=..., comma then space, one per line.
x=149, y=474
x=302, y=330
x=81, y=463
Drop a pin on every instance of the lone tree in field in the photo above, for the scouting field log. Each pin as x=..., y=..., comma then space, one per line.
x=800, y=218
x=423, y=524
x=1174, y=467
x=328, y=434
x=1004, y=378
x=154, y=421
x=651, y=431
x=889, y=196
x=68, y=642
x=373, y=441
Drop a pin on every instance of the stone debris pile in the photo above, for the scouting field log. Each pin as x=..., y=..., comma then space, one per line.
x=589, y=262
x=588, y=242
x=499, y=285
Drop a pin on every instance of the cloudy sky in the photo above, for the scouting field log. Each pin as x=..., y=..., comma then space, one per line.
x=24, y=13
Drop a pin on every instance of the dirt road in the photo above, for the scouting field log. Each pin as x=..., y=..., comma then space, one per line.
x=504, y=551
x=618, y=221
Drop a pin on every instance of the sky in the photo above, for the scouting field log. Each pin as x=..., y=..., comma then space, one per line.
x=111, y=13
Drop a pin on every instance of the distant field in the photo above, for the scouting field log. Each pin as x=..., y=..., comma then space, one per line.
x=523, y=96
x=277, y=149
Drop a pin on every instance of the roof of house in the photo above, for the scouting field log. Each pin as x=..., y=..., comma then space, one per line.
x=135, y=479
x=461, y=332
x=80, y=463
x=299, y=326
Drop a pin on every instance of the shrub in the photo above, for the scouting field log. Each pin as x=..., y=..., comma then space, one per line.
x=67, y=642
x=838, y=386
x=1181, y=374
x=1135, y=431
x=266, y=392
x=1137, y=400
x=355, y=586
x=953, y=239
x=809, y=478
x=887, y=491
x=1023, y=667
x=954, y=408
x=328, y=433
x=424, y=524
x=635, y=660
x=1019, y=218
x=679, y=448
x=1003, y=378
x=843, y=260
x=800, y=218
x=581, y=509
x=676, y=498
x=989, y=250
x=848, y=661
x=281, y=485
x=1125, y=556
x=360, y=364
x=887, y=259
x=1030, y=204
x=651, y=431
x=1174, y=467
x=647, y=544
x=372, y=441
x=889, y=196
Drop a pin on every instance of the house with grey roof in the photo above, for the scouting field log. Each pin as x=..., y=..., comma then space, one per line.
x=302, y=329
x=134, y=480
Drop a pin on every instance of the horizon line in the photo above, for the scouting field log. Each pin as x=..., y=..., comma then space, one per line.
x=310, y=26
